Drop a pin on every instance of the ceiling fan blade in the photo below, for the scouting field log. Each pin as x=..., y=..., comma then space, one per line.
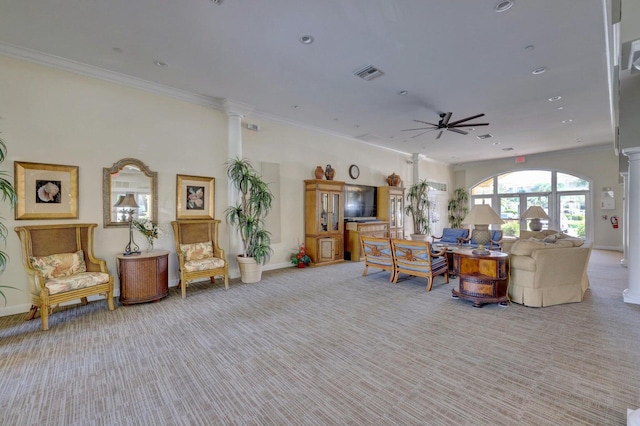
x=426, y=122
x=420, y=134
x=439, y=134
x=419, y=128
x=446, y=118
x=468, y=125
x=466, y=119
x=453, y=129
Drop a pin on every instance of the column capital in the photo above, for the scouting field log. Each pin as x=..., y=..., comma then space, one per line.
x=632, y=151
x=236, y=109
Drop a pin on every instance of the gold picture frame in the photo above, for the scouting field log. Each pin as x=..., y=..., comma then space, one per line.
x=46, y=191
x=195, y=197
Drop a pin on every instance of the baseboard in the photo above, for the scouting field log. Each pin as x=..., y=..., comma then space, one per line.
x=15, y=309
x=611, y=248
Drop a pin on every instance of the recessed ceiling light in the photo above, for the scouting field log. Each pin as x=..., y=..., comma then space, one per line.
x=294, y=106
x=567, y=121
x=161, y=64
x=529, y=48
x=539, y=70
x=356, y=125
x=507, y=149
x=560, y=107
x=504, y=6
x=306, y=39
x=402, y=92
x=496, y=143
x=555, y=98
x=117, y=49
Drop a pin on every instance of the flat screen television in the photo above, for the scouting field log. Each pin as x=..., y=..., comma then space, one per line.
x=360, y=202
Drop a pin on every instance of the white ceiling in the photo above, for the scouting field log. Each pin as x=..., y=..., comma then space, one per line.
x=459, y=56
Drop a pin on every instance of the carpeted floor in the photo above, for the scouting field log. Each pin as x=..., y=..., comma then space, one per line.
x=324, y=346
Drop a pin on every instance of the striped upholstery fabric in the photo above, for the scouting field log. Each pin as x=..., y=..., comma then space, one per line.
x=415, y=258
x=377, y=254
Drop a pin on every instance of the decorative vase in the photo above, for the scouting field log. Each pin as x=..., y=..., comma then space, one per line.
x=301, y=265
x=329, y=172
x=149, y=244
x=319, y=172
x=394, y=180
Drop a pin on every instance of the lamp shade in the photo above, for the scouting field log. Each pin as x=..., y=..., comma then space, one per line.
x=482, y=214
x=128, y=201
x=119, y=202
x=535, y=212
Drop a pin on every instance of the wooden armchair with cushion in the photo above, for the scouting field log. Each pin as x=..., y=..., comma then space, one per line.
x=416, y=258
x=377, y=254
x=61, y=267
x=199, y=255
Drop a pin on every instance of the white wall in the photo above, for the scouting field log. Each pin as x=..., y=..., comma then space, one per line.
x=57, y=117
x=600, y=165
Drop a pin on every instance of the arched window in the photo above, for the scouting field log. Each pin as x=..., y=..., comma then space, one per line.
x=565, y=198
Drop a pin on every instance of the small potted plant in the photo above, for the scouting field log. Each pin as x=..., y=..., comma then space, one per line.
x=149, y=230
x=300, y=257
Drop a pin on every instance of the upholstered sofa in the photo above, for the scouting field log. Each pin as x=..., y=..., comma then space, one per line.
x=451, y=236
x=548, y=272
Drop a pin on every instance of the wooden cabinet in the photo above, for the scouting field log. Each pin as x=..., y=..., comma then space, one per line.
x=353, y=232
x=143, y=277
x=391, y=209
x=324, y=222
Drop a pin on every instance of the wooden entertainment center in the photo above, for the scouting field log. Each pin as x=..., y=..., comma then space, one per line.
x=329, y=239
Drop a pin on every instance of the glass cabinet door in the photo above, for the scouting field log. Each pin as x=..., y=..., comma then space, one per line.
x=399, y=212
x=392, y=212
x=335, y=214
x=324, y=214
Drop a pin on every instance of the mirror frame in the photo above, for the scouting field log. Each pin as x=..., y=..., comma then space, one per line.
x=107, y=173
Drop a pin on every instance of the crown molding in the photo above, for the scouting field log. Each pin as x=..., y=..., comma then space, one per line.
x=52, y=61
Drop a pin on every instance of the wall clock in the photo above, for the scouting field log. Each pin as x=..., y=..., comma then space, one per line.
x=354, y=171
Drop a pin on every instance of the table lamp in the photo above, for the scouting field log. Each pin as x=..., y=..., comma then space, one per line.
x=481, y=216
x=535, y=213
x=128, y=203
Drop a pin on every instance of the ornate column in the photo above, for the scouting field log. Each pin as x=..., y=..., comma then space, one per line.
x=632, y=293
x=625, y=218
x=236, y=111
x=415, y=157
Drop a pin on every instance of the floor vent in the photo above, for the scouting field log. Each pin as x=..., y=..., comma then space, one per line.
x=368, y=72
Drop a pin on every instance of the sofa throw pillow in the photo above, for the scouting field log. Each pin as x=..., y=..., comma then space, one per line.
x=59, y=265
x=524, y=247
x=197, y=251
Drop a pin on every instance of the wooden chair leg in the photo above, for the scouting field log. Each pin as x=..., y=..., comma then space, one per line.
x=44, y=318
x=32, y=313
x=184, y=289
x=226, y=282
x=84, y=301
x=429, y=283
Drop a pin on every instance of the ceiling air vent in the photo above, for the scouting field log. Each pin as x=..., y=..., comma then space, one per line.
x=485, y=136
x=368, y=72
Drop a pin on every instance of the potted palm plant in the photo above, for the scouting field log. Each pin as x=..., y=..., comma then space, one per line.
x=247, y=216
x=418, y=207
x=8, y=193
x=458, y=207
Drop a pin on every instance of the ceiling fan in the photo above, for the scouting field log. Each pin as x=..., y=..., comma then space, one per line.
x=444, y=124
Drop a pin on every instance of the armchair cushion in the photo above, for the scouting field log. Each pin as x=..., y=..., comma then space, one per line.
x=76, y=281
x=203, y=264
x=197, y=251
x=451, y=235
x=59, y=265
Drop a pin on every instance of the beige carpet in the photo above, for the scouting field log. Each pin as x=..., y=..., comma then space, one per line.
x=326, y=346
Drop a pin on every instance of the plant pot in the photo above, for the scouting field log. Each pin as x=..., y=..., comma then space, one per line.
x=250, y=271
x=301, y=265
x=419, y=237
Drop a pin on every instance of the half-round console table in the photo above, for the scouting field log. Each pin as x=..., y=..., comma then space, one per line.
x=143, y=277
x=483, y=278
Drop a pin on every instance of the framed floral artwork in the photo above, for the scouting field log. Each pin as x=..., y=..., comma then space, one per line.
x=46, y=191
x=195, y=197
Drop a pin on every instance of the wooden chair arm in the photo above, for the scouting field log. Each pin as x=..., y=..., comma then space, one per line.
x=462, y=240
x=439, y=253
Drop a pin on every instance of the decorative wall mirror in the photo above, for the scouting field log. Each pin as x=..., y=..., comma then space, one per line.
x=129, y=176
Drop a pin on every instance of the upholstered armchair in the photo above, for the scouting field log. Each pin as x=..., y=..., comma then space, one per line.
x=199, y=255
x=61, y=267
x=451, y=236
x=416, y=258
x=377, y=254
